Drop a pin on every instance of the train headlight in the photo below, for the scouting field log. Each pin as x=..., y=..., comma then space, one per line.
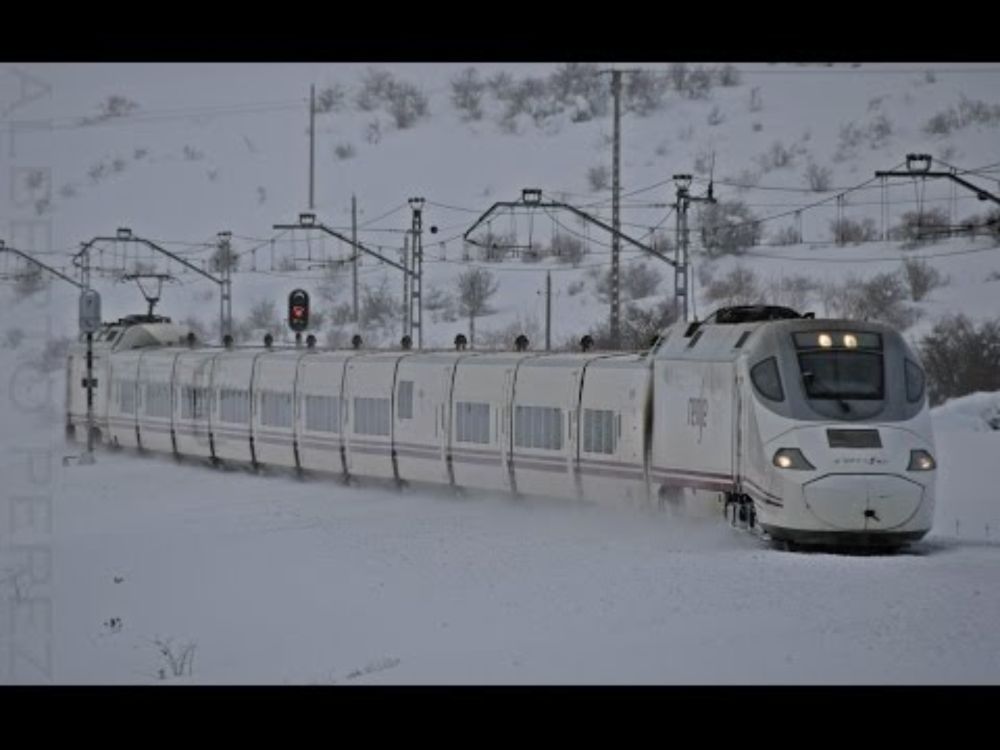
x=825, y=340
x=791, y=458
x=921, y=460
x=850, y=341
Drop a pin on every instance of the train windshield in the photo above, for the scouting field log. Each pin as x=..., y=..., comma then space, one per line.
x=841, y=365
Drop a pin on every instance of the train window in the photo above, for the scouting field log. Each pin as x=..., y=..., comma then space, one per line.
x=371, y=416
x=323, y=413
x=275, y=409
x=742, y=339
x=157, y=400
x=598, y=431
x=472, y=422
x=234, y=406
x=126, y=396
x=404, y=404
x=767, y=380
x=538, y=427
x=914, y=382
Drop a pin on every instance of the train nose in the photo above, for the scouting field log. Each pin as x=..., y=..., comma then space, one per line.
x=863, y=502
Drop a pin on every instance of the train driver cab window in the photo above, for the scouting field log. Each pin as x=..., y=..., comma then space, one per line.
x=767, y=380
x=914, y=382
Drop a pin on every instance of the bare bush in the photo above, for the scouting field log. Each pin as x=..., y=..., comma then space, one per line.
x=504, y=337
x=819, y=178
x=960, y=357
x=677, y=75
x=787, y=236
x=190, y=153
x=776, y=157
x=332, y=98
x=918, y=226
x=262, y=318
x=715, y=117
x=379, y=306
x=575, y=287
x=921, y=277
x=578, y=87
x=467, y=94
x=113, y=107
x=440, y=305
x=976, y=224
x=598, y=178
x=29, y=282
x=179, y=660
x=567, y=249
x=644, y=92
x=880, y=298
x=344, y=151
x=639, y=326
x=474, y=289
x=756, y=100
x=639, y=280
x=12, y=338
x=698, y=84
x=728, y=228
x=738, y=287
x=847, y=230
x=942, y=123
x=729, y=75
x=879, y=131
x=401, y=100
x=791, y=291
x=333, y=282
x=969, y=112
x=494, y=248
x=850, y=139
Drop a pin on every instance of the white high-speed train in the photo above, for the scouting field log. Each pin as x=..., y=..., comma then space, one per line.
x=813, y=432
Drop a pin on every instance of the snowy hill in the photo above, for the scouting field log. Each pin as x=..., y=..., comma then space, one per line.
x=180, y=152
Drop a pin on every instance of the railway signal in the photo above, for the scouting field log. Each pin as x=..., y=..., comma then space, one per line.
x=298, y=310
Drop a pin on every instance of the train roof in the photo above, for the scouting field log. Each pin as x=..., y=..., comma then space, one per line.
x=712, y=340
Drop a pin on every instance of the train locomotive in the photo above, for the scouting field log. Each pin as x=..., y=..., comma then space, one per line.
x=812, y=433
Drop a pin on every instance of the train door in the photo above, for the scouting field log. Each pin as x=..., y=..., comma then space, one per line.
x=545, y=399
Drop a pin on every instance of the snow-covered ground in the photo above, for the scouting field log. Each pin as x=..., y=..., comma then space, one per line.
x=135, y=569
x=271, y=579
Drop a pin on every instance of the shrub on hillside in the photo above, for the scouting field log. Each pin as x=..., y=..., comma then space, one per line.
x=960, y=357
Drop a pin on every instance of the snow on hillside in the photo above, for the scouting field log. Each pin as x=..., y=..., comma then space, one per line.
x=160, y=572
x=196, y=149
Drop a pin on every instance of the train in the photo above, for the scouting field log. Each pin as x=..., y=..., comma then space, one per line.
x=812, y=433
